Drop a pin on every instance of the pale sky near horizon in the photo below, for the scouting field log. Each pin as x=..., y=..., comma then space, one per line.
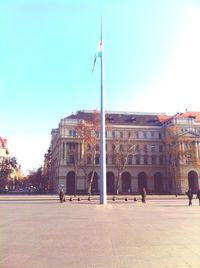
x=47, y=47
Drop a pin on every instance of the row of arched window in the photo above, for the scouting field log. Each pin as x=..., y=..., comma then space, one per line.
x=142, y=181
x=125, y=182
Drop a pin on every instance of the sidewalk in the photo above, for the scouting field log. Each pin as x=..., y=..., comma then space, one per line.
x=47, y=234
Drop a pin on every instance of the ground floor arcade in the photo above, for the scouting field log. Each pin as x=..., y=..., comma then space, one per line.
x=155, y=183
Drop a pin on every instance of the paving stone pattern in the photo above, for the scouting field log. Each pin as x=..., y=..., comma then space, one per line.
x=45, y=233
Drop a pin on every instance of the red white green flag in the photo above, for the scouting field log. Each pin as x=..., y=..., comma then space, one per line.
x=98, y=54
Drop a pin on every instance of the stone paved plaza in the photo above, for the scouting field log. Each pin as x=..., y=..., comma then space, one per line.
x=164, y=232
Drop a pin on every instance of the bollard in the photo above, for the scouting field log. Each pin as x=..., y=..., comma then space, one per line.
x=78, y=199
x=113, y=199
x=126, y=199
x=70, y=199
x=135, y=199
x=89, y=198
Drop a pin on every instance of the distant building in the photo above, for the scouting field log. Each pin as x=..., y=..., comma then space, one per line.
x=162, y=153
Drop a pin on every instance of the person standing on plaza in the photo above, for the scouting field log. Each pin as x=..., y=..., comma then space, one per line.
x=189, y=194
x=143, y=194
x=198, y=195
x=61, y=196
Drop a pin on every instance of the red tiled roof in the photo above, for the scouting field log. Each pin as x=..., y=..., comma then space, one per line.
x=164, y=118
x=195, y=115
x=187, y=114
x=126, y=118
x=137, y=118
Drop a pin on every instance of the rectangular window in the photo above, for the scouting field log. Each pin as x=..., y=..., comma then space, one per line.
x=152, y=134
x=137, y=160
x=153, y=160
x=145, y=160
x=130, y=160
x=145, y=148
x=72, y=133
x=71, y=159
x=121, y=134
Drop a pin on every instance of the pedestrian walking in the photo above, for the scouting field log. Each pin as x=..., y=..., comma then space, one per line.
x=143, y=194
x=198, y=195
x=189, y=194
x=62, y=196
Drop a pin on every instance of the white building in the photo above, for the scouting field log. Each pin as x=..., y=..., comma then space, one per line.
x=151, y=164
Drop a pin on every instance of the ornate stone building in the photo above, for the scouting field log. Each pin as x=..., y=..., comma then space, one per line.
x=160, y=153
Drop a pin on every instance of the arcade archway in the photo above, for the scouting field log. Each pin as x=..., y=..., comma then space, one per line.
x=158, y=183
x=110, y=178
x=94, y=187
x=142, y=181
x=126, y=182
x=70, y=183
x=193, y=181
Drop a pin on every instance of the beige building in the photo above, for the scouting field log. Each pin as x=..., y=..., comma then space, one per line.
x=152, y=158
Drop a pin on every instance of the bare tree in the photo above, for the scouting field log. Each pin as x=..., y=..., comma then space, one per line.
x=120, y=152
x=88, y=131
x=8, y=168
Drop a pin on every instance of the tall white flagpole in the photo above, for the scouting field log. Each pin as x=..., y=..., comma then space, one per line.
x=103, y=198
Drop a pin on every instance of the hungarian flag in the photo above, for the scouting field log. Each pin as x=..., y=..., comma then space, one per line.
x=98, y=54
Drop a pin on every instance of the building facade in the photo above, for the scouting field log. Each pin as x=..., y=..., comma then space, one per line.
x=4, y=156
x=10, y=171
x=155, y=151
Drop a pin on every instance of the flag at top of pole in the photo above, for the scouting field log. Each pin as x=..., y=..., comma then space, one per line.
x=98, y=54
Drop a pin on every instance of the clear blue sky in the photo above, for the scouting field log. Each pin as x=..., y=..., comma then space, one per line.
x=152, y=63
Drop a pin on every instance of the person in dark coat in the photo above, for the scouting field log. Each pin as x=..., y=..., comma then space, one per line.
x=198, y=196
x=189, y=194
x=143, y=194
x=61, y=196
